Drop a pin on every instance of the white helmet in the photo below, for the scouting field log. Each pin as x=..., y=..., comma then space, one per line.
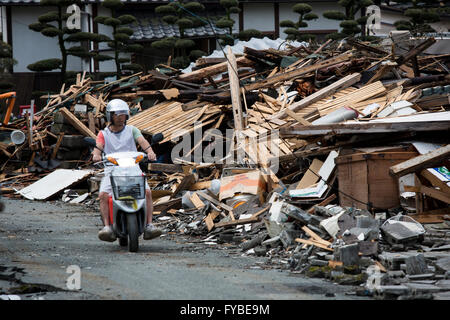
x=116, y=106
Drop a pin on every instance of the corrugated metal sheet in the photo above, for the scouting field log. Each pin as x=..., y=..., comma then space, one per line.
x=53, y=183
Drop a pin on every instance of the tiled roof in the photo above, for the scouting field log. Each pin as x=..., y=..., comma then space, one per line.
x=151, y=27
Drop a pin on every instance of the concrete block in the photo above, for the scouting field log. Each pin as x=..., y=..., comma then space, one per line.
x=349, y=254
x=416, y=264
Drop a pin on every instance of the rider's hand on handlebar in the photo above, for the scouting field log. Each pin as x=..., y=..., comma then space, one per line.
x=151, y=155
x=96, y=158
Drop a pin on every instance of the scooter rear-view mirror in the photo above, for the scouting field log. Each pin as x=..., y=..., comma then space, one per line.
x=156, y=138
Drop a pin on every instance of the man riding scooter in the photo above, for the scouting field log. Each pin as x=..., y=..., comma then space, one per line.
x=120, y=137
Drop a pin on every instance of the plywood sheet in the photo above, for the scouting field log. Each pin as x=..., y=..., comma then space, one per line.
x=53, y=183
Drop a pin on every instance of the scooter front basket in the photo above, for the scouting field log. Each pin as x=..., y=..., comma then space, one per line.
x=126, y=187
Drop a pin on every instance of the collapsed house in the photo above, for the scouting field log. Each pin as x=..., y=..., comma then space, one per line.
x=332, y=160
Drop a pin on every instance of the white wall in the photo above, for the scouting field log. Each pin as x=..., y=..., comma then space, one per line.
x=30, y=46
x=259, y=16
x=319, y=8
x=105, y=66
x=388, y=18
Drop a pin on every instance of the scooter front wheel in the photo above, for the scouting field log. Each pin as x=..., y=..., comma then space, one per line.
x=123, y=242
x=133, y=234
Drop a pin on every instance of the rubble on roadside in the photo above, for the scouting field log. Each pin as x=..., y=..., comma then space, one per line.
x=353, y=187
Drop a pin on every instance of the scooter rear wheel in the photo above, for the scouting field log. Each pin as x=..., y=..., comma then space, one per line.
x=133, y=234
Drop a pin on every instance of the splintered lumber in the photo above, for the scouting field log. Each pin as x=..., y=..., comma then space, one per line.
x=433, y=216
x=435, y=181
x=253, y=218
x=77, y=124
x=314, y=243
x=196, y=201
x=297, y=117
x=235, y=92
x=427, y=160
x=315, y=236
x=165, y=167
x=298, y=72
x=214, y=201
x=322, y=93
x=415, y=51
x=209, y=220
x=198, y=75
x=236, y=222
x=185, y=183
x=364, y=128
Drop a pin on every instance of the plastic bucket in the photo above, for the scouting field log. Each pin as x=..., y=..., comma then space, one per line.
x=17, y=137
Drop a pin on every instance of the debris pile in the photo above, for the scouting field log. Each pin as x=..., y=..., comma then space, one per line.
x=336, y=164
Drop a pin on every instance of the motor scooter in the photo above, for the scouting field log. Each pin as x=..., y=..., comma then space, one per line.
x=127, y=204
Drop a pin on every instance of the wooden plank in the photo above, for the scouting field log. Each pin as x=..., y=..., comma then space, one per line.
x=298, y=72
x=209, y=220
x=314, y=243
x=315, y=236
x=236, y=222
x=435, y=181
x=427, y=160
x=77, y=124
x=432, y=216
x=311, y=175
x=91, y=122
x=58, y=143
x=234, y=90
x=212, y=70
x=185, y=183
x=298, y=117
x=363, y=128
x=196, y=201
x=436, y=194
x=322, y=93
x=165, y=167
x=214, y=201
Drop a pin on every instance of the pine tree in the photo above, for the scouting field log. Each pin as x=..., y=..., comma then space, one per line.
x=305, y=14
x=6, y=62
x=121, y=43
x=231, y=6
x=350, y=25
x=52, y=24
x=421, y=14
x=181, y=13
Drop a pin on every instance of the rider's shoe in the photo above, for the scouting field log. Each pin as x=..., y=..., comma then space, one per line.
x=107, y=234
x=151, y=232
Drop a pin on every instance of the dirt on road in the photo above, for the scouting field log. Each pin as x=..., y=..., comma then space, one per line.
x=50, y=250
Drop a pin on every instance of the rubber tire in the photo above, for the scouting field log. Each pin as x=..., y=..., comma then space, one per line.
x=133, y=234
x=123, y=242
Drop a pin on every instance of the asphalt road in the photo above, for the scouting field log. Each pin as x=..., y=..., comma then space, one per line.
x=40, y=240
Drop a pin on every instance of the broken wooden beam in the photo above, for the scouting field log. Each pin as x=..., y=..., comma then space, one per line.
x=423, y=161
x=213, y=70
x=297, y=72
x=322, y=93
x=77, y=124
